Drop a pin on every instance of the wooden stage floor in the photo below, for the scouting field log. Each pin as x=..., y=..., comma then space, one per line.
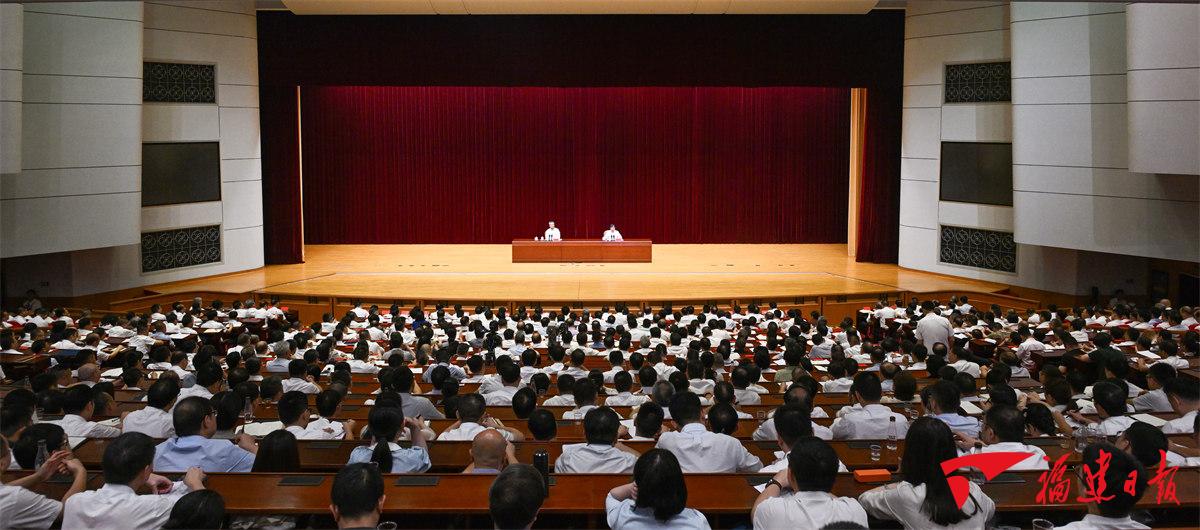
x=484, y=272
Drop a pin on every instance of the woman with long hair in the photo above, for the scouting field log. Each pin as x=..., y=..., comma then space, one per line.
x=386, y=423
x=277, y=453
x=923, y=498
x=657, y=497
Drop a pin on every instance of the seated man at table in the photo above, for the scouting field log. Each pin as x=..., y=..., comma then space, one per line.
x=1114, y=507
x=1004, y=431
x=516, y=496
x=193, y=446
x=585, y=400
x=867, y=419
x=1109, y=399
x=117, y=505
x=792, y=424
x=602, y=453
x=612, y=234
x=490, y=453
x=414, y=406
x=942, y=399
x=78, y=408
x=808, y=471
x=552, y=233
x=154, y=420
x=1184, y=395
x=472, y=418
x=298, y=380
x=799, y=392
x=510, y=382
x=356, y=498
x=700, y=450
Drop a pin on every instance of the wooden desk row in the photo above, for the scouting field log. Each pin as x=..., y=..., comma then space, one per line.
x=453, y=457
x=712, y=494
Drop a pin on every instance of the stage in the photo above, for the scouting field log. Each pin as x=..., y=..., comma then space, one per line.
x=486, y=272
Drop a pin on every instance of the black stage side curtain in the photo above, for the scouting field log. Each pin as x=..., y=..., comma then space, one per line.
x=582, y=51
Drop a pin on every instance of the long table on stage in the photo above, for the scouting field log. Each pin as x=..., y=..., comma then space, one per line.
x=581, y=250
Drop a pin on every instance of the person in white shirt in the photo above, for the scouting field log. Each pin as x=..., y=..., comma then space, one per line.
x=154, y=420
x=798, y=496
x=1112, y=511
x=1184, y=395
x=797, y=393
x=700, y=450
x=623, y=382
x=585, y=400
x=933, y=328
x=657, y=497
x=293, y=413
x=1156, y=399
x=612, y=234
x=552, y=233
x=923, y=498
x=78, y=408
x=838, y=382
x=22, y=508
x=117, y=505
x=867, y=419
x=792, y=423
x=1109, y=400
x=1004, y=431
x=510, y=379
x=472, y=419
x=602, y=453
x=297, y=380
x=955, y=360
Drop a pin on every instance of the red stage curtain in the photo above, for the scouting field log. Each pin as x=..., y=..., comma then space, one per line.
x=283, y=242
x=879, y=195
x=490, y=164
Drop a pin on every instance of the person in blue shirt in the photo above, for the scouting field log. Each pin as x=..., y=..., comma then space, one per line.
x=195, y=423
x=385, y=422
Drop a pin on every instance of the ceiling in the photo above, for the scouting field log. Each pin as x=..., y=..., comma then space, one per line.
x=575, y=7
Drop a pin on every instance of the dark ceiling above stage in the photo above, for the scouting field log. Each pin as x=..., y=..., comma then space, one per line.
x=629, y=50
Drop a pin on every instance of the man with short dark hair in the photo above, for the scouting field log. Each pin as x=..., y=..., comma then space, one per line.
x=623, y=382
x=516, y=496
x=195, y=423
x=1109, y=399
x=356, y=498
x=792, y=424
x=1184, y=395
x=154, y=420
x=1114, y=507
x=472, y=418
x=542, y=425
x=867, y=419
x=510, y=380
x=117, y=505
x=942, y=400
x=801, y=391
x=78, y=408
x=1004, y=431
x=812, y=467
x=298, y=380
x=700, y=450
x=602, y=453
x=414, y=406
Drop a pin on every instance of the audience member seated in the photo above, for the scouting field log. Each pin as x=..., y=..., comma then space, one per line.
x=657, y=497
x=699, y=450
x=798, y=496
x=22, y=508
x=356, y=498
x=515, y=497
x=490, y=453
x=385, y=424
x=602, y=453
x=78, y=407
x=867, y=419
x=193, y=446
x=472, y=419
x=942, y=400
x=127, y=470
x=1113, y=509
x=1004, y=431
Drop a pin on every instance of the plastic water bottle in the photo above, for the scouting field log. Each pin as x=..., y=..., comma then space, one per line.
x=42, y=455
x=891, y=434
